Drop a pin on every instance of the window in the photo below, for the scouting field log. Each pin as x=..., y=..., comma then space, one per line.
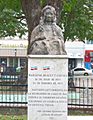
x=15, y=62
x=91, y=59
x=79, y=69
x=82, y=69
x=11, y=62
x=91, y=54
x=89, y=41
x=22, y=61
x=3, y=61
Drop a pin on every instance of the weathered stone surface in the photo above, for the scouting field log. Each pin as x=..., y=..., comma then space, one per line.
x=47, y=37
x=47, y=87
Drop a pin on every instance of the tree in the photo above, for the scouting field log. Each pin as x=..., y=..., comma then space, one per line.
x=32, y=10
x=11, y=18
x=75, y=17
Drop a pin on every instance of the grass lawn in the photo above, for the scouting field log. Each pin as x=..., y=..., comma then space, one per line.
x=80, y=113
x=13, y=114
x=21, y=114
x=24, y=117
x=13, y=117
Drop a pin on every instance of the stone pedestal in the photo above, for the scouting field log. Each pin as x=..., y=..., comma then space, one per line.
x=47, y=87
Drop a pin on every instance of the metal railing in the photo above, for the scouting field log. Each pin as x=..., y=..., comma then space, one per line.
x=80, y=92
x=13, y=92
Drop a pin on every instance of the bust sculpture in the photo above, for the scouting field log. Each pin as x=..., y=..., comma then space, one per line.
x=47, y=37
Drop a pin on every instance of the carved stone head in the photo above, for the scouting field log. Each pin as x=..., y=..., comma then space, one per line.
x=49, y=14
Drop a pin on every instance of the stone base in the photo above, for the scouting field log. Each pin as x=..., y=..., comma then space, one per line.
x=47, y=87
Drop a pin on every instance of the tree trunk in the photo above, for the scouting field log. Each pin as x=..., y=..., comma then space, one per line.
x=32, y=10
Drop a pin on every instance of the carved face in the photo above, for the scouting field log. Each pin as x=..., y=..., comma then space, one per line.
x=49, y=16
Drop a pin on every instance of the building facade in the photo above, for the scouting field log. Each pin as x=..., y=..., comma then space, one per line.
x=88, y=57
x=75, y=51
x=13, y=52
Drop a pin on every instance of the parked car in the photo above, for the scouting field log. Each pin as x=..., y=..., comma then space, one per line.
x=81, y=71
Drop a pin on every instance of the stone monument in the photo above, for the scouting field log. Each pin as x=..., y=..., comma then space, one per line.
x=47, y=70
x=47, y=37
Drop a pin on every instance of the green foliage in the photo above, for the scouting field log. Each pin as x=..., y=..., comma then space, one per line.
x=12, y=22
x=10, y=4
x=42, y=2
x=76, y=16
x=13, y=117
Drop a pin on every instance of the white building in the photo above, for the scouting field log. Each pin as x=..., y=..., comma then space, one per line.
x=75, y=51
x=13, y=52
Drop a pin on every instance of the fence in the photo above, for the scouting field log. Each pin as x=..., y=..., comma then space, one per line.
x=80, y=92
x=13, y=92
